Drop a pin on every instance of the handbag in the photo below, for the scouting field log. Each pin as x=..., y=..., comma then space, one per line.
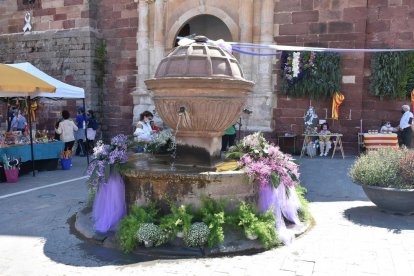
x=90, y=133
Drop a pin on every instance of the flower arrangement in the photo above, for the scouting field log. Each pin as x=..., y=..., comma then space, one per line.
x=264, y=161
x=149, y=234
x=164, y=142
x=392, y=168
x=106, y=156
x=197, y=235
x=10, y=162
x=296, y=65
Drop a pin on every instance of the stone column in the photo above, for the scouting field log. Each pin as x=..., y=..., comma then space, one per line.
x=141, y=96
x=159, y=50
x=262, y=99
x=246, y=34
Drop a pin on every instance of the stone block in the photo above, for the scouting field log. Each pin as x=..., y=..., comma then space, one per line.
x=340, y=27
x=305, y=16
x=72, y=2
x=288, y=5
x=68, y=24
x=392, y=12
x=357, y=3
x=306, y=5
x=355, y=14
x=329, y=15
x=321, y=4
x=317, y=28
x=41, y=12
x=377, y=3
x=294, y=29
x=285, y=39
x=60, y=16
x=282, y=18
x=405, y=36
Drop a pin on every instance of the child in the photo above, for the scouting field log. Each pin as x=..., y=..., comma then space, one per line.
x=324, y=140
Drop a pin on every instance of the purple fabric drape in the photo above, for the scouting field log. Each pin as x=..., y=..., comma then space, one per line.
x=285, y=204
x=109, y=206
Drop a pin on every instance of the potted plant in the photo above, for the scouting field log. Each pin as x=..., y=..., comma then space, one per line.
x=149, y=234
x=197, y=235
x=387, y=178
x=177, y=223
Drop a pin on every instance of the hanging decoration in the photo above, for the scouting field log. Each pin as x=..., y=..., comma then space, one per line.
x=28, y=22
x=412, y=99
x=33, y=109
x=337, y=100
x=310, y=74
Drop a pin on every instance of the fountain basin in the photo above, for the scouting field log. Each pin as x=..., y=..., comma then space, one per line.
x=149, y=178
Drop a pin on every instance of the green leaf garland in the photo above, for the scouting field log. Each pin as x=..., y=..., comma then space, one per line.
x=319, y=83
x=392, y=74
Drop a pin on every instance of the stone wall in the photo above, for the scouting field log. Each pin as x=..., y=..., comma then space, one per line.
x=66, y=55
x=343, y=24
x=118, y=23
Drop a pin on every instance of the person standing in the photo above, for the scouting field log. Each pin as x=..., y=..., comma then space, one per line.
x=405, y=126
x=80, y=133
x=67, y=129
x=229, y=137
x=91, y=127
x=19, y=122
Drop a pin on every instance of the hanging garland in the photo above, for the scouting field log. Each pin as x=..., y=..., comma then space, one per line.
x=392, y=74
x=316, y=75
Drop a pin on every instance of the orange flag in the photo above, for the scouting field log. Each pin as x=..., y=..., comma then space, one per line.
x=412, y=99
x=337, y=100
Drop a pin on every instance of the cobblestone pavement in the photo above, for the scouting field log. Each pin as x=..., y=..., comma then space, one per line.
x=350, y=237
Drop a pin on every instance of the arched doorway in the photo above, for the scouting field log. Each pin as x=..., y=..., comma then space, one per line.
x=208, y=25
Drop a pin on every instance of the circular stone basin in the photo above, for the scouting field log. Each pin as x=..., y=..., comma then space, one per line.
x=151, y=178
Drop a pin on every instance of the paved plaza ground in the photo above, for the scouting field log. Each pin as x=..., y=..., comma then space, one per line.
x=350, y=237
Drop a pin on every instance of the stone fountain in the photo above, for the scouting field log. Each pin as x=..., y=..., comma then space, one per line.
x=199, y=91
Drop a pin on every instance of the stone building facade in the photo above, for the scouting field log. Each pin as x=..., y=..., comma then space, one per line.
x=138, y=33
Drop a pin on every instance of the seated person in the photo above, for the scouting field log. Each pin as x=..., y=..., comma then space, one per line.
x=387, y=128
x=154, y=127
x=324, y=141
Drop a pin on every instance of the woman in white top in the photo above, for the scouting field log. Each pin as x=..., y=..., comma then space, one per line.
x=67, y=129
x=144, y=132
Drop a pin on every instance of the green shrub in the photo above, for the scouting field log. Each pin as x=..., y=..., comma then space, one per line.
x=406, y=170
x=130, y=224
x=197, y=235
x=263, y=225
x=178, y=221
x=379, y=168
x=212, y=214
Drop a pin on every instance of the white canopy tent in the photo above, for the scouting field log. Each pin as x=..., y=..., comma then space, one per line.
x=63, y=90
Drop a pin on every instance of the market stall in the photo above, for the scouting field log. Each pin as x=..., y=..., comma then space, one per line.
x=42, y=152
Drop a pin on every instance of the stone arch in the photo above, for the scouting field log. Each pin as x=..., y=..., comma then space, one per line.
x=222, y=15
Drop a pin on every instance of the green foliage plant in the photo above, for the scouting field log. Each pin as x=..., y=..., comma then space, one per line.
x=178, y=221
x=303, y=212
x=263, y=225
x=130, y=224
x=321, y=82
x=392, y=74
x=197, y=235
x=212, y=214
x=382, y=168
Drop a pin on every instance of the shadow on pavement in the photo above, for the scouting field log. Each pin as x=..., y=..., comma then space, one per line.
x=327, y=180
x=373, y=216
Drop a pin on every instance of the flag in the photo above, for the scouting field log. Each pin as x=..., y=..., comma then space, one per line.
x=412, y=100
x=337, y=100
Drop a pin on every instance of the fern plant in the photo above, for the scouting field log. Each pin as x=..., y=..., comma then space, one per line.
x=130, y=224
x=303, y=212
x=263, y=225
x=212, y=214
x=178, y=221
